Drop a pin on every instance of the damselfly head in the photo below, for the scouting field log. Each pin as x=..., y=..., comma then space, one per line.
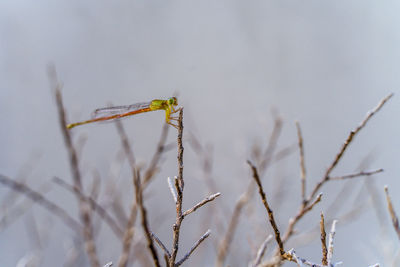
x=173, y=101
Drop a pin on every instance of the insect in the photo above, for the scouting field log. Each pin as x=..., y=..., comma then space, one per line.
x=117, y=112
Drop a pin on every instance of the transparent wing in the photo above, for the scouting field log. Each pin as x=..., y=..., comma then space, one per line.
x=109, y=111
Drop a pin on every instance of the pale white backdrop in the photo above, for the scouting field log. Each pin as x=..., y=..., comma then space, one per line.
x=322, y=63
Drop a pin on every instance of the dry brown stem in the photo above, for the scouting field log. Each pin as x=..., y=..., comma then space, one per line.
x=269, y=210
x=145, y=224
x=271, y=147
x=201, y=203
x=151, y=170
x=306, y=206
x=179, y=185
x=84, y=206
x=130, y=226
x=161, y=148
x=198, y=242
x=161, y=245
x=224, y=245
x=393, y=216
x=355, y=175
x=345, y=145
x=267, y=158
x=302, y=163
x=323, y=241
x=178, y=197
x=126, y=146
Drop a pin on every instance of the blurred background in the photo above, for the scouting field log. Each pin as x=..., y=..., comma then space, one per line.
x=235, y=66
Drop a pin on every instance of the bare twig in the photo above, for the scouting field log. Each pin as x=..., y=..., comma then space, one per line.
x=145, y=224
x=11, y=214
x=306, y=205
x=84, y=207
x=344, y=147
x=10, y=198
x=261, y=251
x=299, y=215
x=129, y=228
x=179, y=185
x=323, y=241
x=269, y=211
x=272, y=143
x=302, y=163
x=300, y=261
x=161, y=148
x=225, y=243
x=315, y=202
x=198, y=242
x=203, y=202
x=284, y=153
x=126, y=145
x=392, y=213
x=94, y=205
x=161, y=245
x=43, y=201
x=330, y=244
x=354, y=175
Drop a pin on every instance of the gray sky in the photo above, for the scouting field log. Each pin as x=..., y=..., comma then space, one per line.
x=322, y=63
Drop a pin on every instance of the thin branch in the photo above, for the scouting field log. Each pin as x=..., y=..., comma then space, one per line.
x=161, y=148
x=261, y=251
x=323, y=240
x=202, y=238
x=160, y=244
x=269, y=211
x=126, y=145
x=306, y=205
x=129, y=228
x=355, y=175
x=295, y=257
x=128, y=235
x=179, y=185
x=344, y=147
x=203, y=202
x=315, y=202
x=15, y=211
x=145, y=224
x=180, y=150
x=84, y=207
x=271, y=147
x=302, y=163
x=392, y=213
x=300, y=261
x=266, y=160
x=330, y=244
x=303, y=211
x=43, y=201
x=94, y=205
x=225, y=243
x=23, y=173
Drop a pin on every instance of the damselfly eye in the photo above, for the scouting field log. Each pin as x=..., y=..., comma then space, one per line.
x=173, y=101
